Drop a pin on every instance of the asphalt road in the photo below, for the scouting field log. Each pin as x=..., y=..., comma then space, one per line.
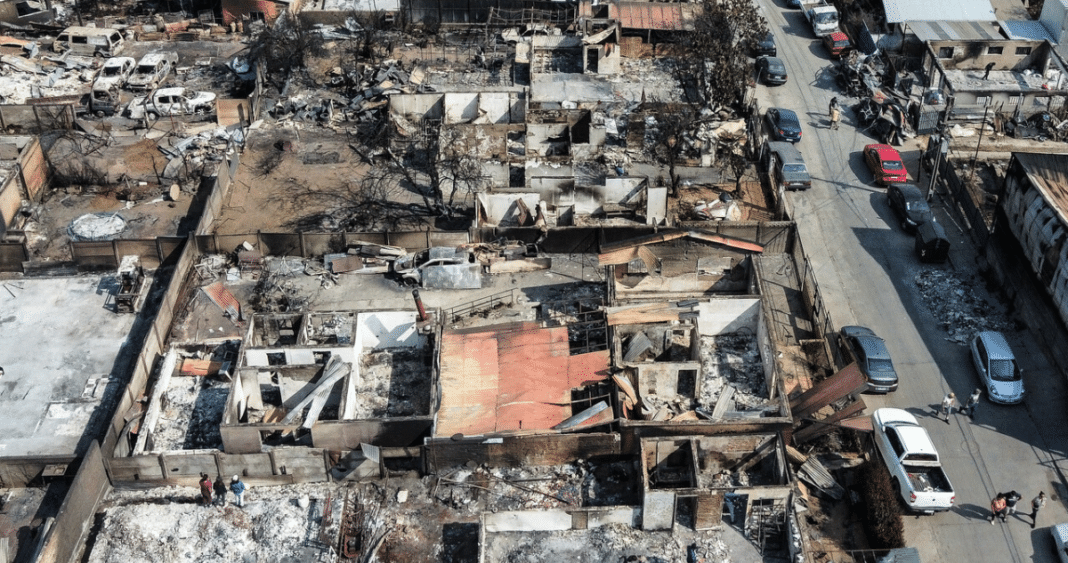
x=865, y=266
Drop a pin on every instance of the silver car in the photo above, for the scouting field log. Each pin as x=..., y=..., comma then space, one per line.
x=1060, y=538
x=997, y=368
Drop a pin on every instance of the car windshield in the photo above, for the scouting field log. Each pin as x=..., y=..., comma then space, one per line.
x=915, y=205
x=892, y=164
x=146, y=69
x=841, y=43
x=794, y=168
x=876, y=364
x=826, y=18
x=112, y=70
x=1004, y=370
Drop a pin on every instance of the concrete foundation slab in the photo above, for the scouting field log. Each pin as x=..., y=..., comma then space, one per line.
x=59, y=348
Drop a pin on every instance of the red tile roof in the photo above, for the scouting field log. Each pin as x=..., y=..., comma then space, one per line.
x=653, y=15
x=511, y=378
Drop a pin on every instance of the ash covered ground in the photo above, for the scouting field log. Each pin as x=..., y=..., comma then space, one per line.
x=431, y=518
x=732, y=359
x=192, y=413
x=394, y=382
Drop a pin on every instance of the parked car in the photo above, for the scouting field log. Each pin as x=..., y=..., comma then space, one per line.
x=115, y=72
x=89, y=41
x=837, y=44
x=771, y=70
x=106, y=90
x=766, y=46
x=932, y=245
x=172, y=101
x=784, y=124
x=997, y=368
x=789, y=171
x=1060, y=539
x=152, y=70
x=907, y=201
x=885, y=162
x=869, y=351
x=914, y=465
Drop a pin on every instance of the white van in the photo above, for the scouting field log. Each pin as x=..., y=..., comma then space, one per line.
x=89, y=41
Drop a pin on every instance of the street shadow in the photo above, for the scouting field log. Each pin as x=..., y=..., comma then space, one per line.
x=972, y=511
x=895, y=254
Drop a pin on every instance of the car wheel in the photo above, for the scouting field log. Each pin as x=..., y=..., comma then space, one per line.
x=200, y=111
x=98, y=113
x=152, y=116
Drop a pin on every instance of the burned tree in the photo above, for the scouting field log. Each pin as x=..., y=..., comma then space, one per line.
x=670, y=137
x=431, y=163
x=717, y=70
x=423, y=159
x=284, y=47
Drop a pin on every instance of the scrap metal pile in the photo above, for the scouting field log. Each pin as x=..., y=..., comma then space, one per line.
x=883, y=112
x=359, y=95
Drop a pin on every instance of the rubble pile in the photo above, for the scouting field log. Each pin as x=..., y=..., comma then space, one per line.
x=613, y=542
x=360, y=95
x=732, y=359
x=540, y=487
x=192, y=412
x=199, y=153
x=24, y=79
x=888, y=121
x=956, y=307
x=167, y=524
x=393, y=382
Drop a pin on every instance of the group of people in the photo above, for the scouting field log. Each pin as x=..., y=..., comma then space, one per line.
x=949, y=402
x=219, y=489
x=1005, y=504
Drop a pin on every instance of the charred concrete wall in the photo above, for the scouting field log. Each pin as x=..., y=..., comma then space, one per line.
x=1016, y=54
x=516, y=451
x=25, y=178
x=75, y=515
x=309, y=245
x=269, y=10
x=18, y=13
x=280, y=466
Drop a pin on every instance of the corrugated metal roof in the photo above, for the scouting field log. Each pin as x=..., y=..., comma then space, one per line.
x=956, y=31
x=1048, y=173
x=898, y=11
x=653, y=15
x=222, y=297
x=1027, y=29
x=508, y=379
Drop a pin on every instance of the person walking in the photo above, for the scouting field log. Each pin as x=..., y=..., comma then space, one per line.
x=1011, y=499
x=205, y=489
x=947, y=405
x=1036, y=504
x=973, y=402
x=238, y=488
x=835, y=112
x=220, y=490
x=997, y=508
x=989, y=67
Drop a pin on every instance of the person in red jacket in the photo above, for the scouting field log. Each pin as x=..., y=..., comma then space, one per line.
x=205, y=489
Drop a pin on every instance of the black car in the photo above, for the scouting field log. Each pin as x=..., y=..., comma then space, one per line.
x=870, y=353
x=784, y=124
x=907, y=201
x=766, y=47
x=771, y=70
